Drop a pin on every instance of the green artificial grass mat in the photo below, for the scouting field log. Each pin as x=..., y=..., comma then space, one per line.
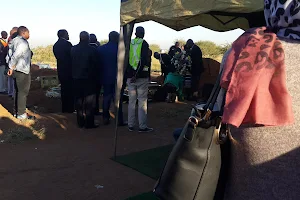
x=148, y=162
x=144, y=196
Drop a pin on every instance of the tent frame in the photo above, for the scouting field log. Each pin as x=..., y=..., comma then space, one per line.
x=123, y=54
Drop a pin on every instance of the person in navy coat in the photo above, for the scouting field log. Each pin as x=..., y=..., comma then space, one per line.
x=62, y=52
x=108, y=56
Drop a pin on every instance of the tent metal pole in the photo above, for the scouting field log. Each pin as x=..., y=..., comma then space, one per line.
x=123, y=53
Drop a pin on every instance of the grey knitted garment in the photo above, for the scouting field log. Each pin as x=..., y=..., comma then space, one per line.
x=265, y=161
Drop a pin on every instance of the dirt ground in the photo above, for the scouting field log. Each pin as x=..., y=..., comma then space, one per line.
x=57, y=160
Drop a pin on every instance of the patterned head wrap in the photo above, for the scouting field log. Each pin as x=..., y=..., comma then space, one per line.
x=283, y=16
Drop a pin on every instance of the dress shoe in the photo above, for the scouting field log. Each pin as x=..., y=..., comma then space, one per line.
x=122, y=124
x=106, y=121
x=92, y=127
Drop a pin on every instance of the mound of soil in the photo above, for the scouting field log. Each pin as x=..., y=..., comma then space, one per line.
x=37, y=72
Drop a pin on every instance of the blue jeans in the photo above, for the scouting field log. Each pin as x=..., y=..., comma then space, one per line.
x=108, y=95
x=10, y=86
x=176, y=133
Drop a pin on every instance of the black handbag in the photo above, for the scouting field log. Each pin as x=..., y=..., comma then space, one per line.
x=197, y=166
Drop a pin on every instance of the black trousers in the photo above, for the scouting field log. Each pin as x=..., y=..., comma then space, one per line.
x=162, y=93
x=67, y=96
x=22, y=86
x=108, y=95
x=97, y=93
x=195, y=83
x=84, y=91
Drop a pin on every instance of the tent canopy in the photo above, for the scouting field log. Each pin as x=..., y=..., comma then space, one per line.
x=218, y=15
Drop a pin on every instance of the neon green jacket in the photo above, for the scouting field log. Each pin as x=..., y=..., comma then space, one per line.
x=138, y=59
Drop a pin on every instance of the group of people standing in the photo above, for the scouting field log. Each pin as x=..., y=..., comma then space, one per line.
x=181, y=68
x=15, y=63
x=6, y=82
x=83, y=70
x=86, y=68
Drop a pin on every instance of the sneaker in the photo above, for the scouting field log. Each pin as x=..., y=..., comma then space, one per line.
x=25, y=117
x=3, y=92
x=145, y=130
x=130, y=129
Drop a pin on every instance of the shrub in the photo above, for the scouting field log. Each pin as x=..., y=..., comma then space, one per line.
x=224, y=48
x=181, y=42
x=154, y=48
x=209, y=49
x=102, y=42
x=44, y=55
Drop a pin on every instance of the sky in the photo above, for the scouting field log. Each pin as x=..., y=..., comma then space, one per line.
x=44, y=18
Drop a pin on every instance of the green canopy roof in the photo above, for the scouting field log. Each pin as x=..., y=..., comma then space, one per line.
x=218, y=15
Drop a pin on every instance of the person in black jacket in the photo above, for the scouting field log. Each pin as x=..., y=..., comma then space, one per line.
x=165, y=62
x=138, y=76
x=84, y=74
x=174, y=49
x=197, y=65
x=62, y=52
x=94, y=43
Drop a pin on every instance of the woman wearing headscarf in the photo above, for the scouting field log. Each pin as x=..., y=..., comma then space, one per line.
x=261, y=76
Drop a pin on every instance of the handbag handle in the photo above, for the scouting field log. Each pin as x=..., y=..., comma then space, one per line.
x=209, y=106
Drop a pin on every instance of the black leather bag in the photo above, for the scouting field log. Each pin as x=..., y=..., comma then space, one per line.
x=196, y=168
